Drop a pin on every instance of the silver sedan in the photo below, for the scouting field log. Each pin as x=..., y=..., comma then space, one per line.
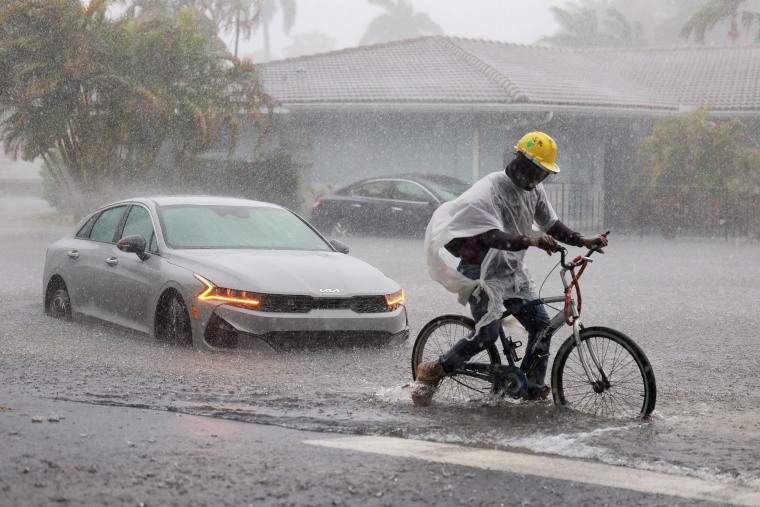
x=220, y=273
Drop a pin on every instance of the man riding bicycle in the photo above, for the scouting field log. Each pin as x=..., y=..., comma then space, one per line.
x=489, y=228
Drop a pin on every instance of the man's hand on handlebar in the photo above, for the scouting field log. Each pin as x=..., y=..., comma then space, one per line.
x=597, y=242
x=545, y=243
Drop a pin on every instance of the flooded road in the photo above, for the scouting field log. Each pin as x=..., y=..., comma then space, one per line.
x=691, y=304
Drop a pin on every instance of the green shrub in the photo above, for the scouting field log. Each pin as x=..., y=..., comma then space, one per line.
x=697, y=175
x=273, y=179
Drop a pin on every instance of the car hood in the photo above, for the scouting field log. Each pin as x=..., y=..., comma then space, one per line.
x=286, y=272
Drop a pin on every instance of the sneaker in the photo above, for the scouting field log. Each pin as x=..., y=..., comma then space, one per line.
x=429, y=374
x=538, y=396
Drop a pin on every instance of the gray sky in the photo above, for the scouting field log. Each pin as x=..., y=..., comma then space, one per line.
x=346, y=21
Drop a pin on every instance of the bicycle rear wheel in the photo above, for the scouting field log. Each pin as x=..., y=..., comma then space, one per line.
x=624, y=387
x=437, y=337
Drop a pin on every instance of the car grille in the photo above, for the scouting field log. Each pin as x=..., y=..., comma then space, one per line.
x=293, y=340
x=282, y=303
x=221, y=334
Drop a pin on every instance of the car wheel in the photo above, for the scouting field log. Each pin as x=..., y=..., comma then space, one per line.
x=174, y=322
x=60, y=304
x=341, y=229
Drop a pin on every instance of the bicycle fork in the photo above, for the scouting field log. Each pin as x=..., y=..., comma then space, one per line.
x=598, y=385
x=557, y=322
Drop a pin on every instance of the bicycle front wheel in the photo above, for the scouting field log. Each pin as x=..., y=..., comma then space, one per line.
x=622, y=381
x=436, y=338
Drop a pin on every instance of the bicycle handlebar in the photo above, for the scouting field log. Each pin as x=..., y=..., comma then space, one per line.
x=581, y=262
x=578, y=261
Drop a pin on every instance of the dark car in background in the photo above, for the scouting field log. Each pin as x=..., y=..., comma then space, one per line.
x=384, y=205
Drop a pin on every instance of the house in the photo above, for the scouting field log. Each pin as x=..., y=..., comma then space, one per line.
x=457, y=106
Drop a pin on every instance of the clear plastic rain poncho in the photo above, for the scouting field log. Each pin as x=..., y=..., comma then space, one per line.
x=494, y=202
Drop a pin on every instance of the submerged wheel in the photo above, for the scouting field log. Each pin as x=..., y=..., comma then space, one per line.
x=625, y=385
x=59, y=305
x=174, y=322
x=437, y=337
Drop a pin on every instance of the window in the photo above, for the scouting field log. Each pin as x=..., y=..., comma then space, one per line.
x=447, y=187
x=378, y=189
x=237, y=227
x=408, y=191
x=139, y=222
x=84, y=232
x=105, y=226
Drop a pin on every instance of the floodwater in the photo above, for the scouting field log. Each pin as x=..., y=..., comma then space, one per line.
x=690, y=303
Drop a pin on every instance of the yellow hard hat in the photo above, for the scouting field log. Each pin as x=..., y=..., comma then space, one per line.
x=541, y=149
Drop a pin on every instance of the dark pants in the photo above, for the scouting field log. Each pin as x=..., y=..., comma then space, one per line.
x=533, y=318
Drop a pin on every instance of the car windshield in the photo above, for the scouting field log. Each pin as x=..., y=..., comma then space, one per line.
x=194, y=226
x=448, y=188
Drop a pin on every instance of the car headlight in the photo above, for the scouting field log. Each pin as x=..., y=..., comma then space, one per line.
x=230, y=296
x=395, y=299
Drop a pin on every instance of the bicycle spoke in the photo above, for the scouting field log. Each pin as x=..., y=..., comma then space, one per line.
x=439, y=339
x=618, y=386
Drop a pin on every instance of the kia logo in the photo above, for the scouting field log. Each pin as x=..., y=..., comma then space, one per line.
x=329, y=290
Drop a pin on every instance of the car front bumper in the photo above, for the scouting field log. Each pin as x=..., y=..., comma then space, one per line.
x=231, y=326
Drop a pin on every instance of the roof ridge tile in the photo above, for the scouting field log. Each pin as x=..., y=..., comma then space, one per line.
x=357, y=49
x=509, y=86
x=502, y=43
x=666, y=49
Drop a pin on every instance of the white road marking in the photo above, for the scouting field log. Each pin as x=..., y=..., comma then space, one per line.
x=549, y=467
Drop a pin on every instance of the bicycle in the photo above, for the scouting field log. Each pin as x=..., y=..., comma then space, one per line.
x=597, y=370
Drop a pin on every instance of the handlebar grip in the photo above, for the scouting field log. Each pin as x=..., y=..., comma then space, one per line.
x=595, y=247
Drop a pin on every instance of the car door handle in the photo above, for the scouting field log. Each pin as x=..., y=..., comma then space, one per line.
x=356, y=205
x=396, y=208
x=73, y=254
x=112, y=261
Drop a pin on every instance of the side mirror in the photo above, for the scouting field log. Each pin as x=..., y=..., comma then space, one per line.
x=133, y=244
x=339, y=246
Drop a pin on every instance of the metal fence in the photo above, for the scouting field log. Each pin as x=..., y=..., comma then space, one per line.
x=668, y=211
x=581, y=207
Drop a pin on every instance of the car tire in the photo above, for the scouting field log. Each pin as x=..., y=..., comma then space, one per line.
x=341, y=229
x=59, y=305
x=174, y=322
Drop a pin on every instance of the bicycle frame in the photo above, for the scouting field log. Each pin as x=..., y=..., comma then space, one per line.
x=570, y=315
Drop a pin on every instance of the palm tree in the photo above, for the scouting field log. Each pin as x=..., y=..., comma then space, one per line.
x=243, y=16
x=581, y=27
x=715, y=11
x=399, y=21
x=240, y=16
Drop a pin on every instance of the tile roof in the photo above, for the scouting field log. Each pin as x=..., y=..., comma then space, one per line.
x=419, y=70
x=453, y=71
x=718, y=78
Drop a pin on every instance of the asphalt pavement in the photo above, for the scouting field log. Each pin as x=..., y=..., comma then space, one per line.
x=65, y=453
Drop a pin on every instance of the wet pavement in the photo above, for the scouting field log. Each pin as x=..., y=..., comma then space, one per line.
x=690, y=303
